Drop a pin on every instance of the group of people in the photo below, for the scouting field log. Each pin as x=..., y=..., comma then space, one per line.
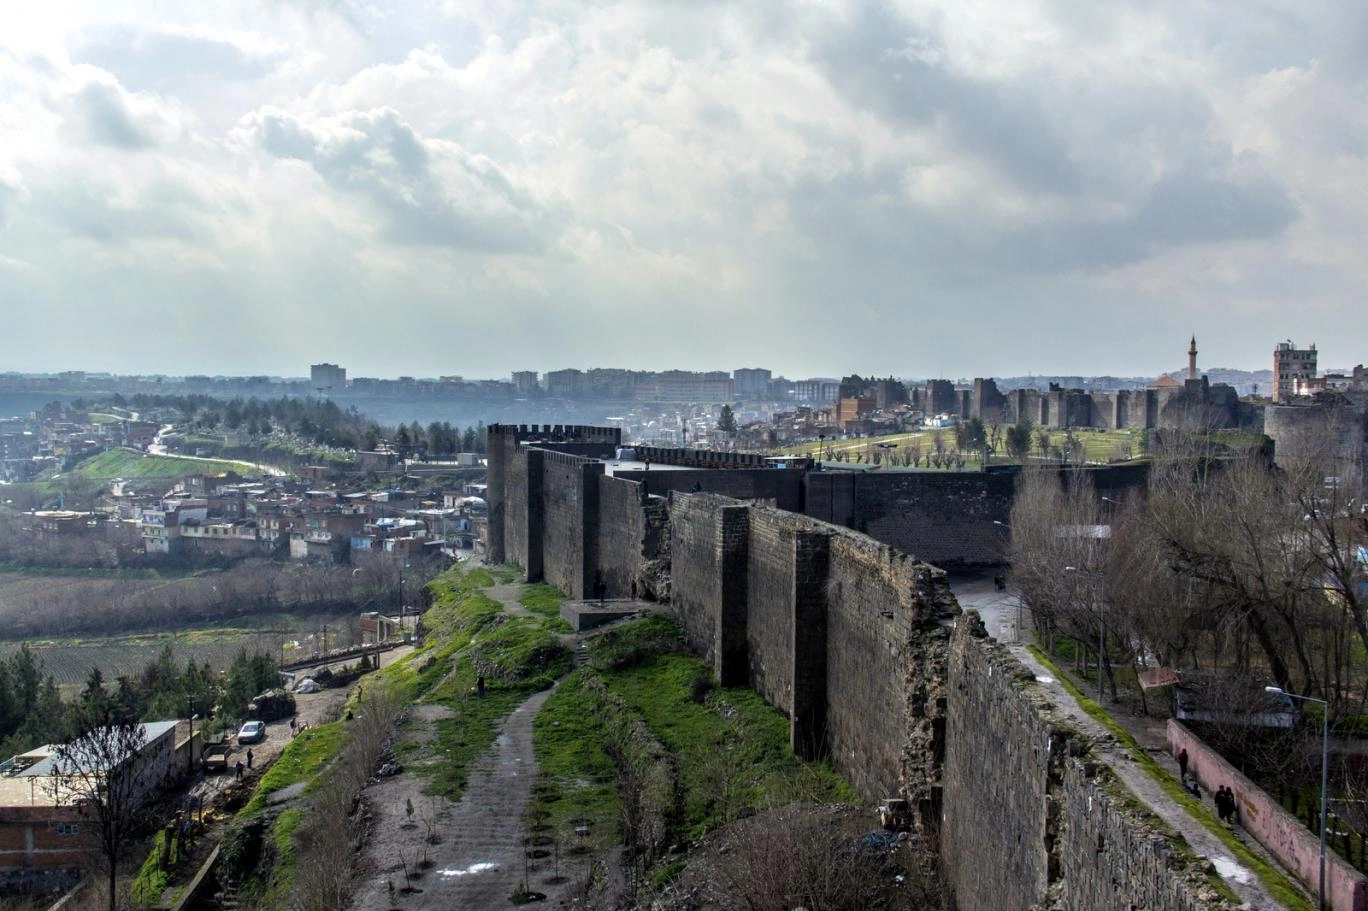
x=1224, y=798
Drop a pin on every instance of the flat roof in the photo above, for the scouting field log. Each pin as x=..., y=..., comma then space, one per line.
x=614, y=466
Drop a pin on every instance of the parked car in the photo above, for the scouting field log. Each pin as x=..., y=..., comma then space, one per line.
x=252, y=732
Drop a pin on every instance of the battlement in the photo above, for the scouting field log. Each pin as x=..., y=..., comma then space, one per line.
x=705, y=458
x=557, y=433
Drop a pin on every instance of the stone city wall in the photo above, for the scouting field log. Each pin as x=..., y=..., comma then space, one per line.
x=1030, y=819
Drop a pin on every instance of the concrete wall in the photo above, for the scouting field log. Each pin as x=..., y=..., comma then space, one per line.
x=1285, y=837
x=1029, y=818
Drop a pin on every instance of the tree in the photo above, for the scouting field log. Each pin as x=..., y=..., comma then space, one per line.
x=726, y=422
x=100, y=772
x=1019, y=439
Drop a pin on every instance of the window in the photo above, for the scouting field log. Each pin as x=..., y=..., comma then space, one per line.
x=68, y=828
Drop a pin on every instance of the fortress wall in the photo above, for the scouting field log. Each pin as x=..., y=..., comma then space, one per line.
x=629, y=531
x=1029, y=818
x=776, y=487
x=944, y=518
x=771, y=586
x=878, y=605
x=708, y=545
x=569, y=503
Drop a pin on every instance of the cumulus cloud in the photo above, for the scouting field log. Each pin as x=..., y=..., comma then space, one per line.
x=630, y=177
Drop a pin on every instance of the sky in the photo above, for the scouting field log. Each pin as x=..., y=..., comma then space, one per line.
x=925, y=188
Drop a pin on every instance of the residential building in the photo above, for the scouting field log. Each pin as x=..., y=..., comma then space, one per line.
x=1291, y=363
x=326, y=377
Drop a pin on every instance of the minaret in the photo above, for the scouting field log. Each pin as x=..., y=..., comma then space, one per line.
x=1192, y=359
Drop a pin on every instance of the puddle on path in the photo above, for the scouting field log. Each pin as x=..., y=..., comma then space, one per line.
x=470, y=870
x=1230, y=870
x=1041, y=678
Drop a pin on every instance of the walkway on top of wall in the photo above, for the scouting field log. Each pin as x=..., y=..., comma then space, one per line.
x=999, y=612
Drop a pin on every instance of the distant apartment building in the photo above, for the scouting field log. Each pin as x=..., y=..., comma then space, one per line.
x=752, y=382
x=524, y=381
x=564, y=383
x=327, y=376
x=816, y=391
x=1290, y=364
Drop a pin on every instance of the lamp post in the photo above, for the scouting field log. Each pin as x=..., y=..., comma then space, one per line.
x=1007, y=532
x=1101, y=626
x=1325, y=776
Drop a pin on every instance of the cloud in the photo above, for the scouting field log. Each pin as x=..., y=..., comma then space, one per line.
x=632, y=176
x=429, y=192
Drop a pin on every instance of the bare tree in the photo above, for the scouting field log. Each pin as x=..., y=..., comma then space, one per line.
x=106, y=774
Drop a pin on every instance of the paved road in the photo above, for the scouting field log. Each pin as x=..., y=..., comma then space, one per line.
x=999, y=611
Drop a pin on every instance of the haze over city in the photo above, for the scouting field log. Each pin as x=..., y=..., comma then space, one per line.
x=914, y=189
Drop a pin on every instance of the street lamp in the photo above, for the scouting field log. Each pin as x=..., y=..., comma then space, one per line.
x=1325, y=775
x=1101, y=626
x=1007, y=530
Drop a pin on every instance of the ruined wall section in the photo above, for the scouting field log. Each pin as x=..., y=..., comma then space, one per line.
x=709, y=538
x=884, y=661
x=1021, y=789
x=630, y=530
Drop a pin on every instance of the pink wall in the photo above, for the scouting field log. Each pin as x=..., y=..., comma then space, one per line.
x=1295, y=846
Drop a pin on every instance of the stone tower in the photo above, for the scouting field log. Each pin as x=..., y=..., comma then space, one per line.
x=1192, y=359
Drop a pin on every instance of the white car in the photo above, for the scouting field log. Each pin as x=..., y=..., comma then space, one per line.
x=252, y=732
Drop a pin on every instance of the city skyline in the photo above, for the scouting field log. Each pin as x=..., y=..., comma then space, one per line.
x=475, y=188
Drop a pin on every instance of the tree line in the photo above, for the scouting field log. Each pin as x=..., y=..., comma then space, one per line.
x=32, y=711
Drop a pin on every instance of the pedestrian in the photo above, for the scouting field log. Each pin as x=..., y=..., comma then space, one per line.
x=634, y=590
x=1194, y=790
x=293, y=729
x=249, y=759
x=480, y=686
x=1182, y=763
x=238, y=767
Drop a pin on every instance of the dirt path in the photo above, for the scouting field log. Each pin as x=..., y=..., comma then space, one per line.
x=998, y=612
x=478, y=859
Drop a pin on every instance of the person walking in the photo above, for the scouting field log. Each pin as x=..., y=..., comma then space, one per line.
x=1182, y=763
x=239, y=767
x=249, y=759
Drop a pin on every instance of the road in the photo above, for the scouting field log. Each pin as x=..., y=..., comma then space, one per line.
x=157, y=447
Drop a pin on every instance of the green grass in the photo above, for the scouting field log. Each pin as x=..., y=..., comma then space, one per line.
x=1272, y=878
x=545, y=600
x=304, y=758
x=130, y=464
x=729, y=751
x=152, y=880
x=283, y=845
x=568, y=737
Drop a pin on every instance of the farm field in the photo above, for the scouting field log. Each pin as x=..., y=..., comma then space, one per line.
x=69, y=661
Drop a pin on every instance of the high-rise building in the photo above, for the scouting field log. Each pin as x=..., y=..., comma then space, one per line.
x=1291, y=363
x=751, y=382
x=326, y=377
x=524, y=381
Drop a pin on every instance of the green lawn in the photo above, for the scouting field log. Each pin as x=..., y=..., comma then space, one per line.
x=130, y=463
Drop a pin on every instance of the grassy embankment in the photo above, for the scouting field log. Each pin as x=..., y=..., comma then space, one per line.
x=642, y=736
x=130, y=464
x=1273, y=879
